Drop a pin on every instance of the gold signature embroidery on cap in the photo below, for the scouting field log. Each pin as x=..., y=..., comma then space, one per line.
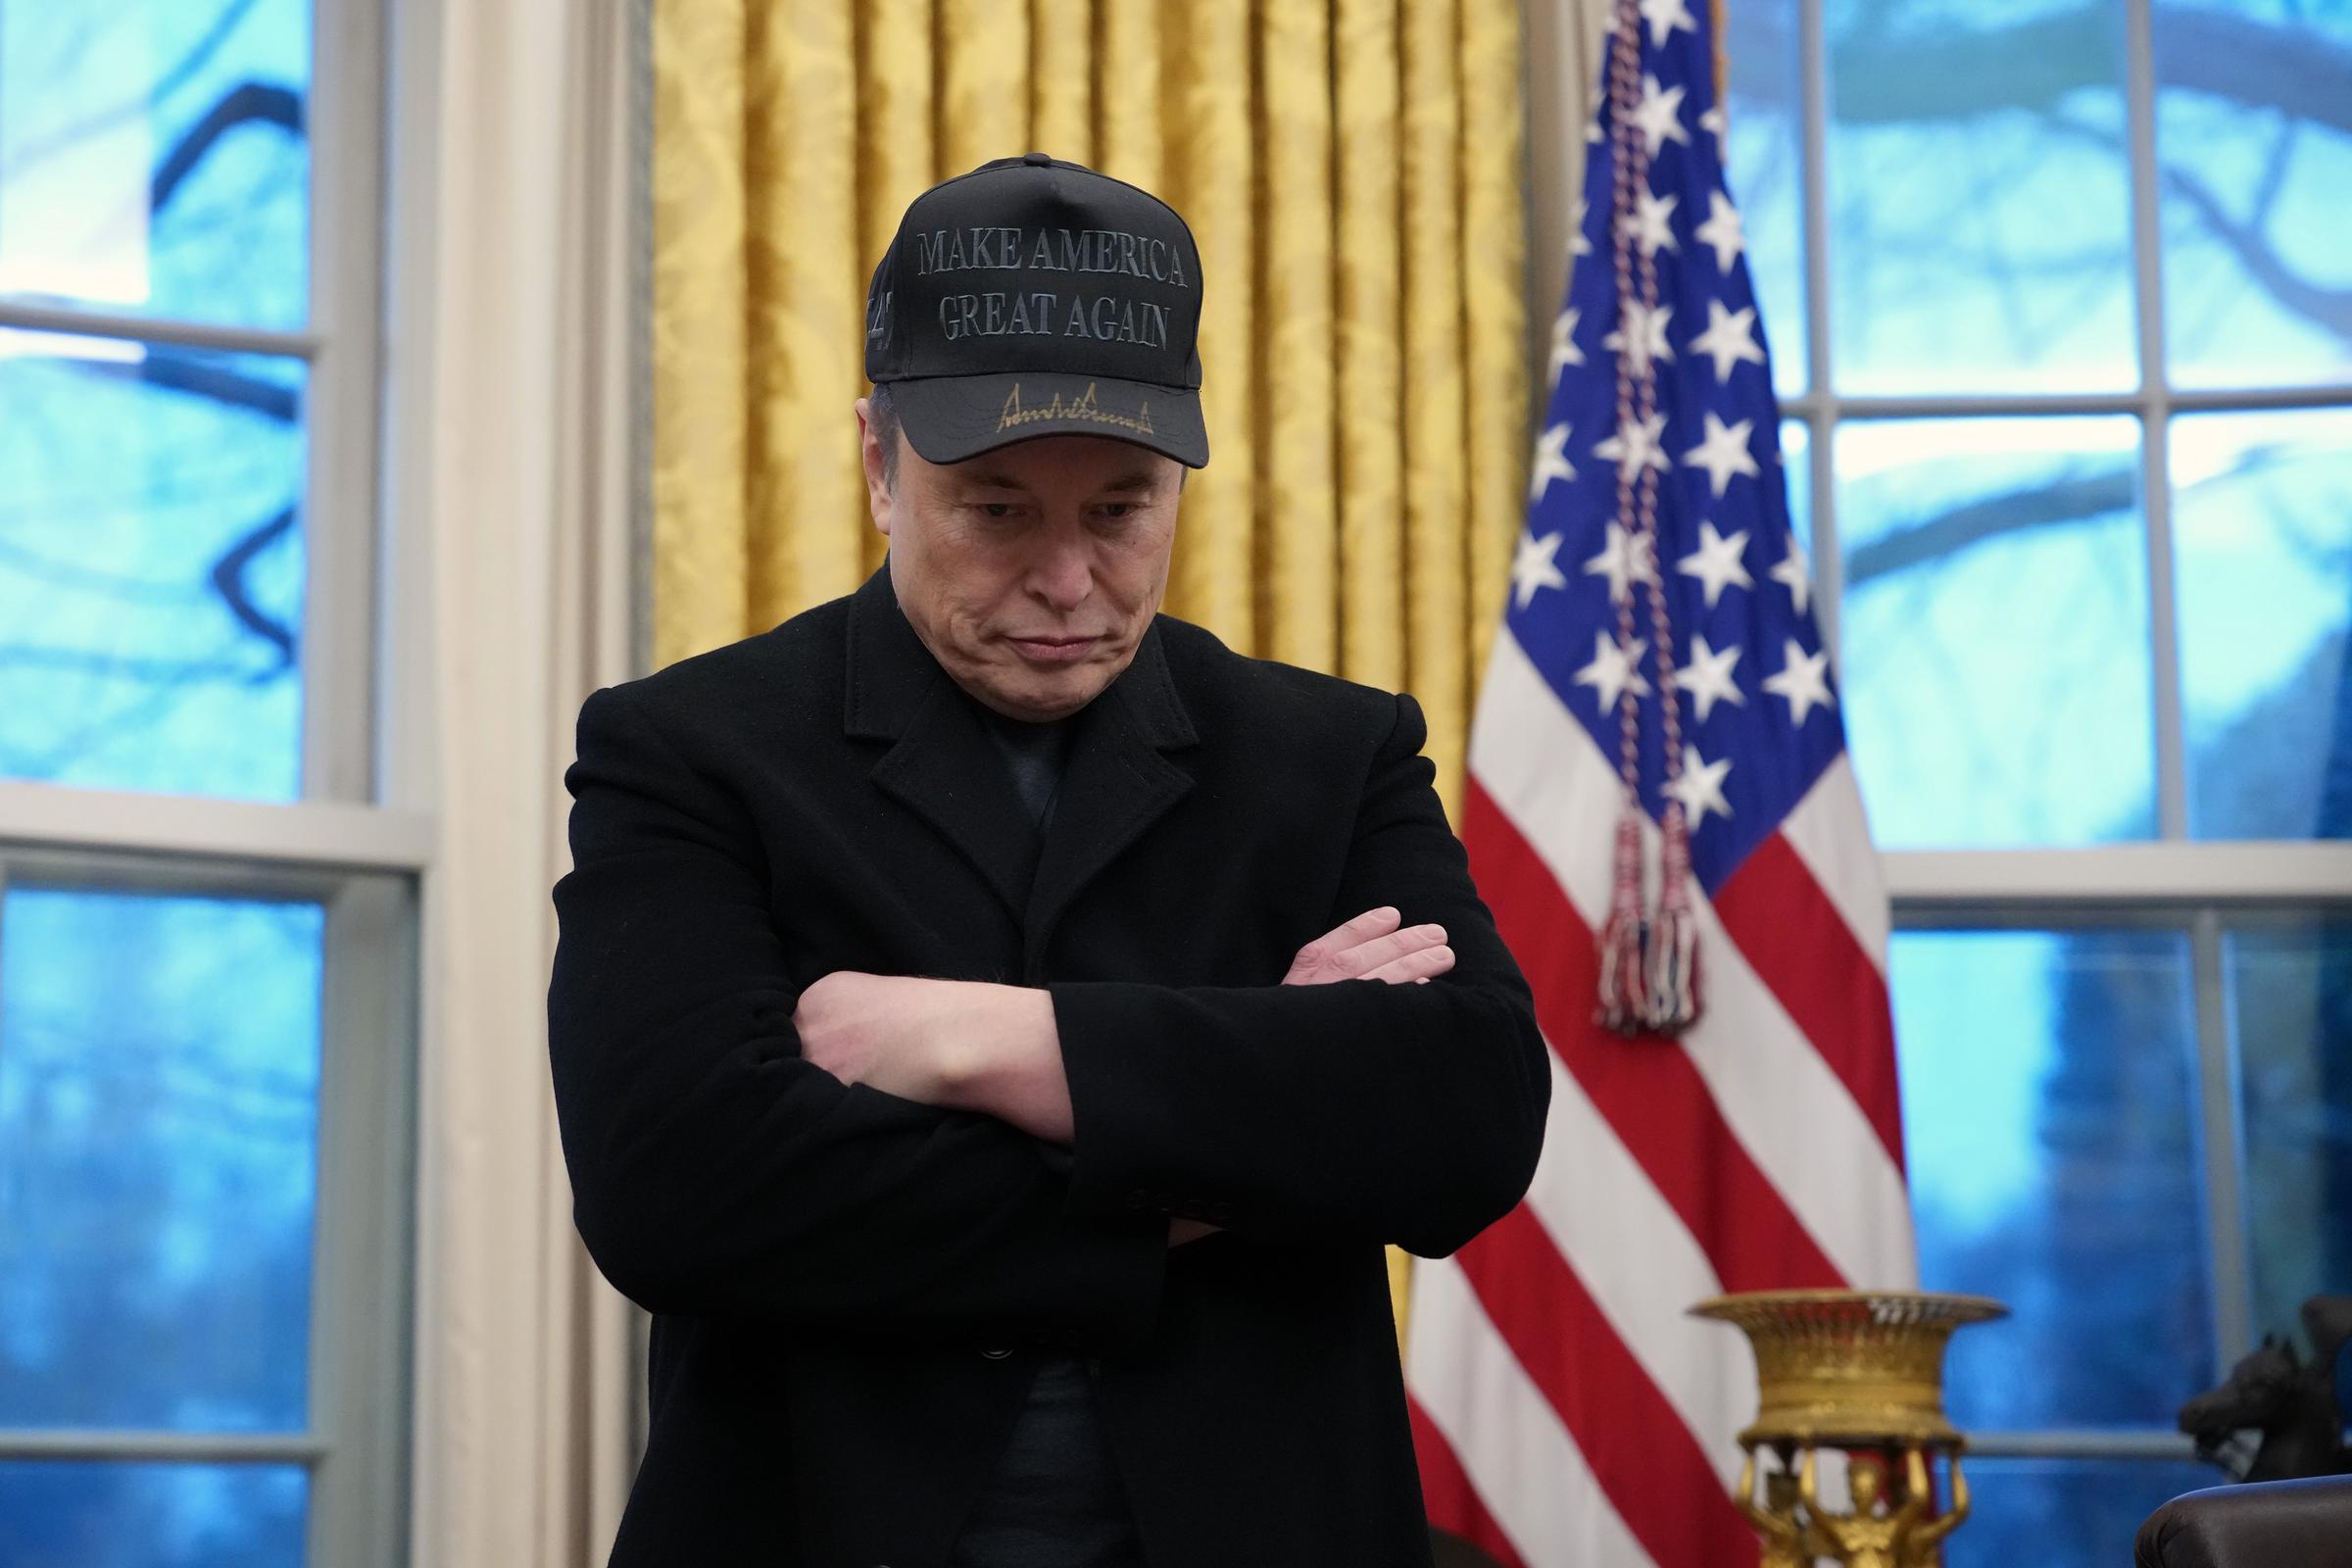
x=1082, y=408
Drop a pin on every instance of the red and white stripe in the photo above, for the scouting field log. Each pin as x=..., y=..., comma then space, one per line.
x=1566, y=1411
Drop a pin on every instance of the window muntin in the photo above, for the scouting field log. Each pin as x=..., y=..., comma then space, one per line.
x=189, y=608
x=2118, y=256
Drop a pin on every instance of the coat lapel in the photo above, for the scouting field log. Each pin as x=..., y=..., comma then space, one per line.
x=944, y=767
x=945, y=770
x=1116, y=784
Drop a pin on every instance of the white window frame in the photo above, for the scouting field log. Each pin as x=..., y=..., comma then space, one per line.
x=2192, y=886
x=357, y=843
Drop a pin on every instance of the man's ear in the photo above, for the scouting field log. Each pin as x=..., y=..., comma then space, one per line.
x=877, y=485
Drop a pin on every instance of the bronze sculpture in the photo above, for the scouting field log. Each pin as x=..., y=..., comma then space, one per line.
x=2289, y=1401
x=1885, y=1529
x=1789, y=1540
x=1860, y=1371
x=1868, y=1536
x=1924, y=1548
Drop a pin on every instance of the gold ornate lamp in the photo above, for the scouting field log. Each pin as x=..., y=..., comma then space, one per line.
x=1860, y=1371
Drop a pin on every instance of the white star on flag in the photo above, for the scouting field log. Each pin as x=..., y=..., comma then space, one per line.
x=1722, y=230
x=1636, y=443
x=1664, y=16
x=1613, y=671
x=1723, y=453
x=1794, y=573
x=1730, y=338
x=1660, y=115
x=1552, y=461
x=1700, y=787
x=1622, y=560
x=1712, y=121
x=1716, y=563
x=1803, y=681
x=1564, y=350
x=1643, y=337
x=1707, y=677
x=1649, y=222
x=1578, y=245
x=1535, y=565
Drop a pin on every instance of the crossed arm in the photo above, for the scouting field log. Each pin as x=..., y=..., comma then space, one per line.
x=968, y=1045
x=836, y=1154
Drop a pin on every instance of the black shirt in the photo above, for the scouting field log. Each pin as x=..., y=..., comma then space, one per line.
x=1053, y=1501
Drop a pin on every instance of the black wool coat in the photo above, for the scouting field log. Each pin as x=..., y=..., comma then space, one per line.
x=848, y=1287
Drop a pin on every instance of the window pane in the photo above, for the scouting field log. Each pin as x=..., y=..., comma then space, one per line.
x=1797, y=464
x=151, y=568
x=1994, y=631
x=1764, y=172
x=2262, y=530
x=2254, y=141
x=153, y=158
x=2049, y=1128
x=2290, y=1015
x=55, y=1514
x=159, y=1114
x=2066, y=1511
x=1980, y=211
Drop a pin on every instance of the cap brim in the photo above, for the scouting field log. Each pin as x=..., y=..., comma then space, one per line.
x=951, y=417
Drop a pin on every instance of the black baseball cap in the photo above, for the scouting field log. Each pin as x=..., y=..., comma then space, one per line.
x=1037, y=297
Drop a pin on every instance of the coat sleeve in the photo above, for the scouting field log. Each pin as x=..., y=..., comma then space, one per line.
x=716, y=1173
x=1351, y=1110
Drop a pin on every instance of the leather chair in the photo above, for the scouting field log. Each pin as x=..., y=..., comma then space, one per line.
x=2260, y=1524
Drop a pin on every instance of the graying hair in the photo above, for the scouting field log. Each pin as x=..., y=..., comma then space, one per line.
x=883, y=416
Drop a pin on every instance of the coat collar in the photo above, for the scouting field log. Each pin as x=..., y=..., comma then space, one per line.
x=891, y=674
x=945, y=768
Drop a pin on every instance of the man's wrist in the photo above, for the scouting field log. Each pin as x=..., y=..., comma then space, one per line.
x=1002, y=1055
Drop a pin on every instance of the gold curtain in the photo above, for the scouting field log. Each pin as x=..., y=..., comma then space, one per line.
x=1352, y=170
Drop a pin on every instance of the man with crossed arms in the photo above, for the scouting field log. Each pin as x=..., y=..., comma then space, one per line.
x=995, y=1026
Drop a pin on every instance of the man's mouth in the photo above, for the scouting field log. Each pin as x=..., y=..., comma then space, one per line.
x=1053, y=650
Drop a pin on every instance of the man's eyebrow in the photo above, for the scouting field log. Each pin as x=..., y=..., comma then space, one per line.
x=1140, y=479
x=993, y=482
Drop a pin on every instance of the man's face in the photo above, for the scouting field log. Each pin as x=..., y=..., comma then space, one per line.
x=1031, y=571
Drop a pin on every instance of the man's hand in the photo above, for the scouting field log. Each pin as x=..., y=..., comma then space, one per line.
x=966, y=1045
x=889, y=1031
x=973, y=1046
x=1370, y=946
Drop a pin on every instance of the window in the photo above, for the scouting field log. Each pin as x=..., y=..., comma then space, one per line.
x=2062, y=319
x=207, y=923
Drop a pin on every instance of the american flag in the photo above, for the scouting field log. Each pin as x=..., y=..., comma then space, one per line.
x=1565, y=1409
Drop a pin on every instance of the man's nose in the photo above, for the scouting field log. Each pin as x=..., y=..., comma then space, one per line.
x=1063, y=574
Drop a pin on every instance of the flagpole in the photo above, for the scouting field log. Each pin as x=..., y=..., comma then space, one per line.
x=1722, y=53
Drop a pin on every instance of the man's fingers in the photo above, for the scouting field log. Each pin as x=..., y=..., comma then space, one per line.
x=1370, y=946
x=1319, y=959
x=1361, y=960
x=1354, y=933
x=1424, y=965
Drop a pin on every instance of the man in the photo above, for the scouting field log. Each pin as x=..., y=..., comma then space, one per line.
x=995, y=1026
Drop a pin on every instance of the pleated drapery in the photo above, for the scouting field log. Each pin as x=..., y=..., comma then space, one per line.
x=1353, y=171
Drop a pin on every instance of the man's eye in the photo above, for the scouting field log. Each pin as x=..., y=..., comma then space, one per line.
x=1116, y=509
x=997, y=509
